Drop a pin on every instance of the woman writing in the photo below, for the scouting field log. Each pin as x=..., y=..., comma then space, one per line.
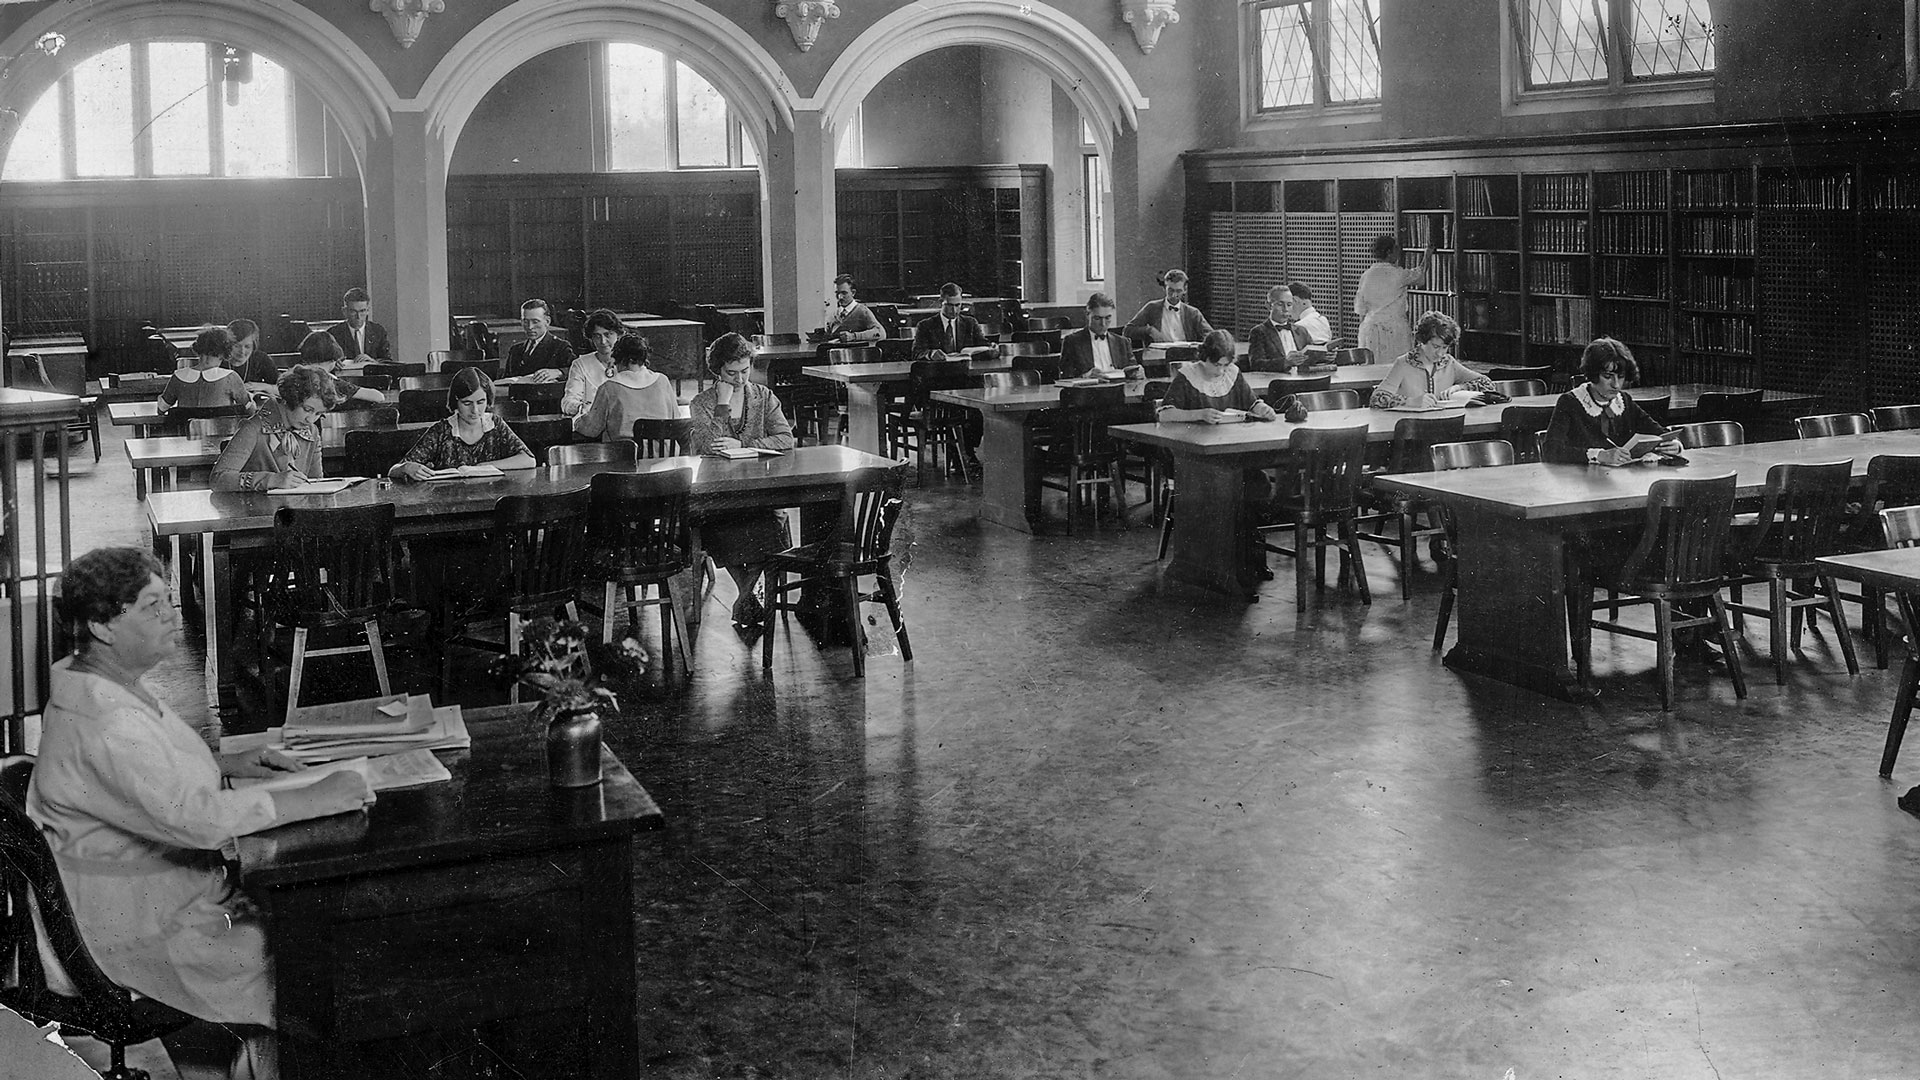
x=1380, y=299
x=472, y=435
x=635, y=392
x=732, y=413
x=603, y=328
x=1428, y=376
x=1211, y=390
x=135, y=808
x=206, y=383
x=280, y=444
x=1596, y=422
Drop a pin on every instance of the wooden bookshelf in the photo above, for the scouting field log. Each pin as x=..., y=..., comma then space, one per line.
x=905, y=232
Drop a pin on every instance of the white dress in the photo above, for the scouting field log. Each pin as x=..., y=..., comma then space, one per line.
x=1381, y=302
x=131, y=803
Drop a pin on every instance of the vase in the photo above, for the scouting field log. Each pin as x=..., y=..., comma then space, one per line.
x=573, y=747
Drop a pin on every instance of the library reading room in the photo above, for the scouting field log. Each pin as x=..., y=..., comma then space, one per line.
x=959, y=539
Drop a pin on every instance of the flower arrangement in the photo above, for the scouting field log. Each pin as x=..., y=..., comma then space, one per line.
x=567, y=666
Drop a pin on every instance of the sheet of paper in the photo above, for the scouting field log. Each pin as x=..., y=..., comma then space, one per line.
x=318, y=487
x=313, y=774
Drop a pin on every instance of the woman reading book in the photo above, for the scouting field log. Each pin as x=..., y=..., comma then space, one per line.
x=733, y=413
x=1596, y=422
x=472, y=435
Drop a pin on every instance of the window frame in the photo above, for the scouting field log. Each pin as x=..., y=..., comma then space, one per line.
x=1319, y=112
x=1691, y=88
x=602, y=115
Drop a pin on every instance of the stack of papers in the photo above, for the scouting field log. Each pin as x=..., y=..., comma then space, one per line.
x=372, y=728
x=408, y=769
x=739, y=453
x=466, y=472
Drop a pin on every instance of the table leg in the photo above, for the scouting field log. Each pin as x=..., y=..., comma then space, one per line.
x=1010, y=473
x=139, y=475
x=216, y=608
x=1211, y=527
x=1512, y=605
x=1903, y=698
x=863, y=417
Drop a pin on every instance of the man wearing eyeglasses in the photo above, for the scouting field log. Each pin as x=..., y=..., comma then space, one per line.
x=850, y=322
x=1098, y=349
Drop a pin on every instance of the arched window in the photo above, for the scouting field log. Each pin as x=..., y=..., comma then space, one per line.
x=159, y=109
x=661, y=114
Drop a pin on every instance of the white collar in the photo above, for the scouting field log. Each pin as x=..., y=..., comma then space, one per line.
x=194, y=374
x=638, y=378
x=1215, y=385
x=1584, y=395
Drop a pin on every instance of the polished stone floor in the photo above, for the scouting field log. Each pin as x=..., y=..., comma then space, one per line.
x=1101, y=827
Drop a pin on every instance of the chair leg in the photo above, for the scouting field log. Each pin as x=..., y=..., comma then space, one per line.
x=1166, y=527
x=1777, y=627
x=1351, y=534
x=672, y=614
x=513, y=649
x=1876, y=605
x=1839, y=623
x=379, y=651
x=891, y=598
x=1663, y=649
x=1724, y=627
x=1406, y=552
x=1302, y=563
x=296, y=670
x=776, y=583
x=855, y=628
x=1446, y=614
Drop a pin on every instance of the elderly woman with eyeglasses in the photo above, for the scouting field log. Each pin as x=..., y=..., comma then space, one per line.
x=1429, y=376
x=1211, y=390
x=136, y=808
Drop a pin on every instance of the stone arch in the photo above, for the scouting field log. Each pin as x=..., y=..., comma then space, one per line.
x=739, y=67
x=1077, y=60
x=322, y=58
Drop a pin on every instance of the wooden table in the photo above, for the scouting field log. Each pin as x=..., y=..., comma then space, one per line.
x=810, y=477
x=488, y=899
x=1516, y=522
x=870, y=385
x=1898, y=572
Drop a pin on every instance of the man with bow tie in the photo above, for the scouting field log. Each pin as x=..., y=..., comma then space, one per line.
x=850, y=321
x=1097, y=348
x=1171, y=318
x=949, y=332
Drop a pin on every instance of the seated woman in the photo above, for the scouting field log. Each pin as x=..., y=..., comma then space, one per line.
x=472, y=435
x=1429, y=375
x=732, y=413
x=322, y=350
x=207, y=383
x=256, y=368
x=135, y=808
x=1206, y=389
x=603, y=329
x=636, y=392
x=280, y=444
x=1593, y=423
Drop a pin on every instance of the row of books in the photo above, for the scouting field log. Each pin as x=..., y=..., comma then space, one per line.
x=1708, y=288
x=1632, y=191
x=1483, y=270
x=1557, y=234
x=1633, y=277
x=1831, y=192
x=1636, y=235
x=1715, y=333
x=1477, y=198
x=1557, y=192
x=1427, y=231
x=1644, y=324
x=1439, y=272
x=1547, y=274
x=1717, y=236
x=1560, y=320
x=1716, y=190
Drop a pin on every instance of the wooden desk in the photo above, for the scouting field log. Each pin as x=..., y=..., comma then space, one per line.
x=1898, y=572
x=488, y=899
x=869, y=385
x=1516, y=521
x=810, y=477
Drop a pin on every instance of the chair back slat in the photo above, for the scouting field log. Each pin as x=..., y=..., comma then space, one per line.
x=1328, y=400
x=1045, y=367
x=1520, y=387
x=179, y=418
x=639, y=522
x=1656, y=407
x=614, y=452
x=1728, y=404
x=384, y=416
x=1802, y=511
x=1830, y=424
x=434, y=380
x=1896, y=418
x=513, y=412
x=1086, y=414
x=1346, y=357
x=539, y=548
x=662, y=438
x=872, y=505
x=1685, y=536
x=1007, y=380
x=542, y=433
x=926, y=376
x=330, y=564
x=1478, y=454
x=1332, y=467
x=394, y=370
x=1900, y=526
x=541, y=398
x=1711, y=433
x=1414, y=438
x=450, y=367
x=1506, y=374
x=207, y=427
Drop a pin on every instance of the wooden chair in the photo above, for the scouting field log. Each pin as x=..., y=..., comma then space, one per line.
x=1414, y=438
x=1543, y=373
x=1896, y=418
x=543, y=399
x=1728, y=405
x=395, y=370
x=1330, y=464
x=663, y=438
x=1679, y=559
x=616, y=452
x=372, y=451
x=213, y=427
x=542, y=433
x=536, y=553
x=913, y=422
x=850, y=354
x=1048, y=340
x=1007, y=380
x=177, y=419
x=513, y=412
x=1521, y=426
x=386, y=416
x=1711, y=433
x=1480, y=454
x=436, y=380
x=1046, y=367
x=1047, y=322
x=1027, y=347
x=32, y=373
x=39, y=925
x=1084, y=450
x=1901, y=527
x=1297, y=384
x=439, y=358
x=1893, y=482
x=422, y=406
x=1346, y=357
x=1827, y=425
x=332, y=569
x=1656, y=407
x=641, y=536
x=861, y=544
x=451, y=366
x=382, y=383
x=1802, y=512
x=1520, y=387
x=807, y=401
x=1328, y=400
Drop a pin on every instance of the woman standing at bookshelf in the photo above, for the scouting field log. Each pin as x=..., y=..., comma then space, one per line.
x=1381, y=301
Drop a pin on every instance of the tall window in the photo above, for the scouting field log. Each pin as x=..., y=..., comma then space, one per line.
x=1093, y=209
x=159, y=108
x=661, y=114
x=1610, y=43
x=1315, y=53
x=852, y=151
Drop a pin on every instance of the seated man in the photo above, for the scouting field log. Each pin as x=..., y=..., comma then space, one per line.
x=545, y=356
x=851, y=322
x=1271, y=340
x=1311, y=331
x=361, y=339
x=1170, y=318
x=1097, y=348
x=949, y=332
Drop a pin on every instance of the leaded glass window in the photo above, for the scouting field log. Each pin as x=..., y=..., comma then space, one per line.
x=1316, y=52
x=1577, y=42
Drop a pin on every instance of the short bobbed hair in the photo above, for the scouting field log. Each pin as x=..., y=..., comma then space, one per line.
x=1384, y=248
x=725, y=350
x=216, y=341
x=1436, y=325
x=320, y=348
x=100, y=585
x=631, y=351
x=242, y=329
x=298, y=383
x=1218, y=346
x=603, y=319
x=465, y=382
x=1607, y=354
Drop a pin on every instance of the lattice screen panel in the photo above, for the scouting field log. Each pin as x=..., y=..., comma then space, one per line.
x=1259, y=251
x=1312, y=257
x=1357, y=231
x=716, y=247
x=1214, y=271
x=1891, y=241
x=1810, y=308
x=628, y=252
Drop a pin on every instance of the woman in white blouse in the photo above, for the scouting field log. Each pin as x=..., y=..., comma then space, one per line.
x=590, y=370
x=1381, y=301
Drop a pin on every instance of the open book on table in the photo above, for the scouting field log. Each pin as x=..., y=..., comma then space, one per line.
x=466, y=472
x=330, y=486
x=739, y=453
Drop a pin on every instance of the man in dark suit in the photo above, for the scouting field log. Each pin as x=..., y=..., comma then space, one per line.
x=949, y=332
x=1097, y=348
x=1171, y=318
x=360, y=338
x=544, y=356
